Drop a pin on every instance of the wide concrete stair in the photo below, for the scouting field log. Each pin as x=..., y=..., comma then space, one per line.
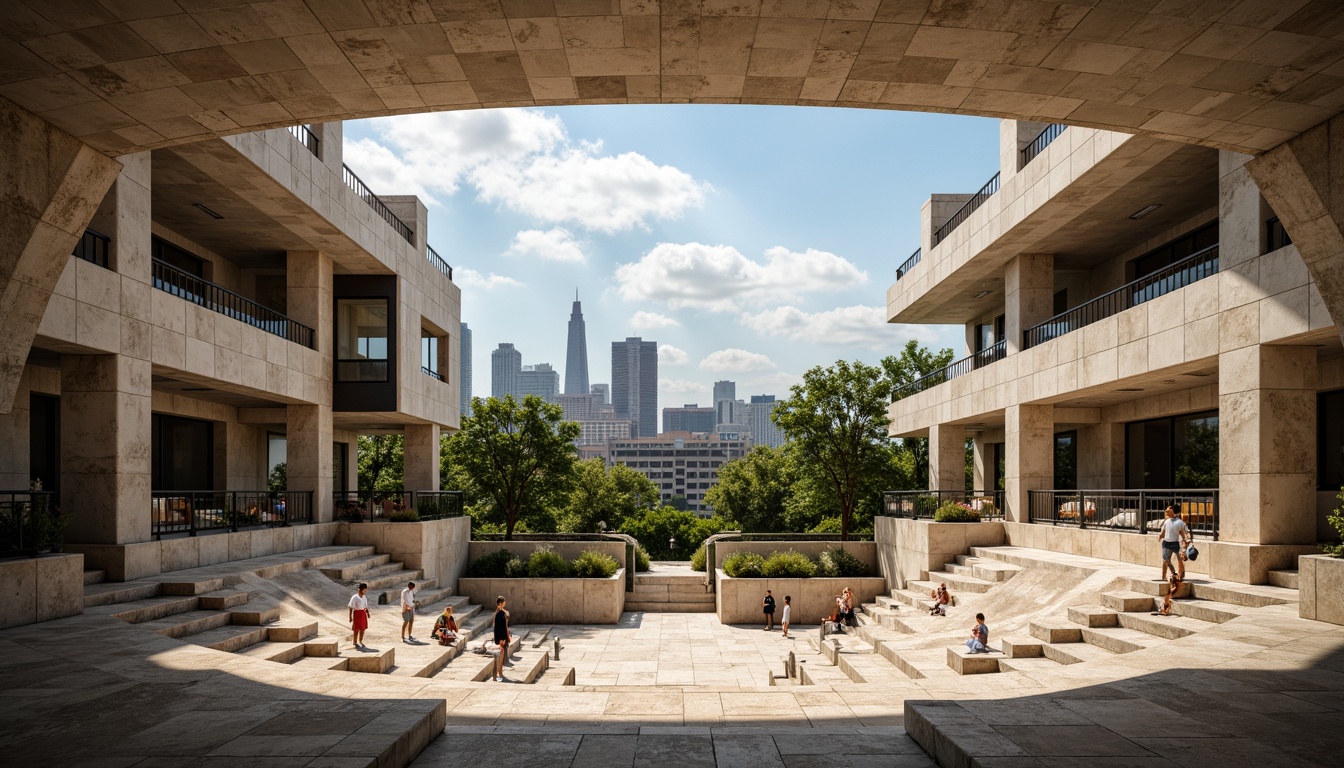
x=670, y=594
x=385, y=579
x=525, y=664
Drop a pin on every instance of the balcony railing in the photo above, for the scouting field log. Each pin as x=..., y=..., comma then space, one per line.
x=921, y=505
x=964, y=213
x=29, y=523
x=93, y=248
x=959, y=368
x=438, y=262
x=187, y=286
x=379, y=506
x=1136, y=511
x=1189, y=270
x=1038, y=144
x=307, y=138
x=376, y=203
x=910, y=263
x=431, y=372
x=191, y=512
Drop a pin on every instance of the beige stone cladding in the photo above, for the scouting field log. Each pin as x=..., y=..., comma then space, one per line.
x=41, y=589
x=128, y=562
x=911, y=549
x=551, y=601
x=738, y=601
x=439, y=548
x=1321, y=587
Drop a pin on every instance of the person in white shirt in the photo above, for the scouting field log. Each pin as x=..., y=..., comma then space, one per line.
x=408, y=613
x=359, y=614
x=784, y=622
x=1175, y=537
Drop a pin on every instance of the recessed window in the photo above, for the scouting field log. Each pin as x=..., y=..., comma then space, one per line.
x=1177, y=452
x=1330, y=440
x=361, y=340
x=1066, y=461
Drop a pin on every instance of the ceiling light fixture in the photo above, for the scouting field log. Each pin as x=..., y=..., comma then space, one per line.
x=1144, y=211
x=1129, y=389
x=980, y=295
x=216, y=216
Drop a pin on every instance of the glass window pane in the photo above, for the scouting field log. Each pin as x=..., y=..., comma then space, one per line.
x=361, y=339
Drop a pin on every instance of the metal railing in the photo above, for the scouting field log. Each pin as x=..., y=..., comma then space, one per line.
x=431, y=372
x=967, y=209
x=438, y=262
x=30, y=522
x=307, y=138
x=1042, y=140
x=191, y=512
x=922, y=505
x=93, y=247
x=910, y=263
x=376, y=203
x=1189, y=270
x=959, y=368
x=185, y=285
x=1136, y=511
x=380, y=506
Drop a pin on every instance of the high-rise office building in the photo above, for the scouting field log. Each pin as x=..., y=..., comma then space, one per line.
x=505, y=365
x=541, y=380
x=726, y=404
x=604, y=390
x=760, y=429
x=464, y=384
x=634, y=383
x=576, y=356
x=724, y=390
x=688, y=418
x=679, y=463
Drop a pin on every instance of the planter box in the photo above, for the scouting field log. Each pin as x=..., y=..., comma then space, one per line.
x=1320, y=583
x=864, y=551
x=566, y=549
x=739, y=600
x=41, y=588
x=552, y=601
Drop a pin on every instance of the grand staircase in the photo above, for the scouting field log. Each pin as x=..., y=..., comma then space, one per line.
x=670, y=590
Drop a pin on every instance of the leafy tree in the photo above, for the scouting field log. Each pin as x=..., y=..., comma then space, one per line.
x=655, y=527
x=752, y=491
x=913, y=363
x=381, y=459
x=605, y=495
x=521, y=456
x=278, y=479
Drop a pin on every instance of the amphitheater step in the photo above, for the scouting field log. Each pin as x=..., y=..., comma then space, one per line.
x=1125, y=601
x=928, y=663
x=229, y=638
x=372, y=662
x=954, y=583
x=1285, y=578
x=1028, y=664
x=350, y=569
x=1207, y=610
x=424, y=588
x=963, y=662
x=253, y=615
x=636, y=607
x=556, y=675
x=1056, y=631
x=1158, y=588
x=169, y=585
x=381, y=570
x=187, y=624
x=109, y=593
x=322, y=663
x=291, y=632
x=1018, y=647
x=916, y=599
x=323, y=647
x=224, y=599
x=1246, y=595
x=281, y=653
x=1169, y=627
x=397, y=578
x=94, y=577
x=148, y=609
x=1118, y=639
x=1074, y=653
x=1093, y=616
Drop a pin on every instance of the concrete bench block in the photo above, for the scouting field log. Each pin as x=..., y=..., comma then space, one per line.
x=322, y=646
x=963, y=662
x=292, y=633
x=373, y=663
x=1056, y=632
x=1127, y=602
x=254, y=617
x=190, y=587
x=224, y=599
x=1021, y=647
x=1093, y=616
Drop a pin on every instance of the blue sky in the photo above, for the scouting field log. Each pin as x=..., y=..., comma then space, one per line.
x=751, y=243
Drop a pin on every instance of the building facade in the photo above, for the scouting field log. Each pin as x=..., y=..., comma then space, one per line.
x=603, y=391
x=541, y=380
x=634, y=383
x=1140, y=331
x=576, y=352
x=506, y=367
x=688, y=418
x=465, y=377
x=759, y=426
x=681, y=465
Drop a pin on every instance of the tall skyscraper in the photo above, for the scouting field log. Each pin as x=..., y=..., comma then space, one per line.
x=464, y=379
x=603, y=391
x=506, y=363
x=634, y=383
x=541, y=380
x=576, y=357
x=727, y=408
x=688, y=418
x=724, y=390
x=763, y=431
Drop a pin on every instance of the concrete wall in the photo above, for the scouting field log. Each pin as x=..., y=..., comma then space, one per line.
x=127, y=562
x=552, y=601
x=43, y=588
x=910, y=549
x=438, y=547
x=1320, y=582
x=566, y=549
x=738, y=601
x=865, y=551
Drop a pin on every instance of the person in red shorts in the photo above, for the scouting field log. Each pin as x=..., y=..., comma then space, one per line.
x=359, y=615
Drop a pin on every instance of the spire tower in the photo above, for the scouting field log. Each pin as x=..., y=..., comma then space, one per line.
x=576, y=357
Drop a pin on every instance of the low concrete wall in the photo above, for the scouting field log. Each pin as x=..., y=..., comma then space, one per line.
x=437, y=547
x=566, y=549
x=1222, y=560
x=865, y=551
x=42, y=588
x=1320, y=583
x=910, y=549
x=738, y=601
x=127, y=562
x=552, y=601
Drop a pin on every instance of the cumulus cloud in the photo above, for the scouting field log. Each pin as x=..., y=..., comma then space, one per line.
x=776, y=384
x=470, y=278
x=524, y=161
x=685, y=389
x=719, y=278
x=858, y=326
x=553, y=245
x=670, y=355
x=736, y=361
x=647, y=321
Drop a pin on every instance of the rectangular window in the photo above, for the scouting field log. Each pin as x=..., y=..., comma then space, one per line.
x=183, y=454
x=1176, y=452
x=1061, y=301
x=44, y=441
x=1172, y=252
x=277, y=448
x=340, y=462
x=1330, y=440
x=361, y=340
x=166, y=252
x=429, y=352
x=1276, y=236
x=1066, y=461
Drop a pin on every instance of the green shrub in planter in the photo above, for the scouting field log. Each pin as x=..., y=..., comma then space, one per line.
x=788, y=565
x=698, y=559
x=952, y=512
x=404, y=516
x=641, y=560
x=516, y=569
x=744, y=565
x=546, y=563
x=837, y=563
x=494, y=565
x=591, y=564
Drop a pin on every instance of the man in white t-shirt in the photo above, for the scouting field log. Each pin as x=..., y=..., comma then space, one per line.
x=1175, y=538
x=407, y=612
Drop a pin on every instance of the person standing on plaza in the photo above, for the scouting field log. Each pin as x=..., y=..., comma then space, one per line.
x=408, y=613
x=359, y=615
x=501, y=636
x=768, y=605
x=784, y=621
x=1175, y=538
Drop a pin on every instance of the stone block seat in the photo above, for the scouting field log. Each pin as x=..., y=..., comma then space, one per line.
x=963, y=662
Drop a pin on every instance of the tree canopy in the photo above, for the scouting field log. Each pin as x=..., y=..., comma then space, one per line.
x=602, y=495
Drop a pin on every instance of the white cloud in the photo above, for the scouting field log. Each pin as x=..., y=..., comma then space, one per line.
x=685, y=389
x=521, y=159
x=470, y=278
x=646, y=321
x=670, y=355
x=858, y=325
x=553, y=245
x=719, y=278
x=736, y=360
x=776, y=384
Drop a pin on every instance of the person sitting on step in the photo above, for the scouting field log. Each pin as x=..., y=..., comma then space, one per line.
x=941, y=599
x=445, y=627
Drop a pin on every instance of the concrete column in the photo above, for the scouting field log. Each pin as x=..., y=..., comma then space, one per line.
x=1101, y=456
x=1029, y=295
x=1030, y=461
x=105, y=448
x=421, y=469
x=1267, y=445
x=308, y=455
x=982, y=457
x=947, y=457
x=308, y=288
x=48, y=193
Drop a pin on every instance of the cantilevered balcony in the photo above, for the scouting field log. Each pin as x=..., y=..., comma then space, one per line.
x=910, y=263
x=216, y=298
x=964, y=213
x=959, y=368
x=1189, y=270
x=1042, y=140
